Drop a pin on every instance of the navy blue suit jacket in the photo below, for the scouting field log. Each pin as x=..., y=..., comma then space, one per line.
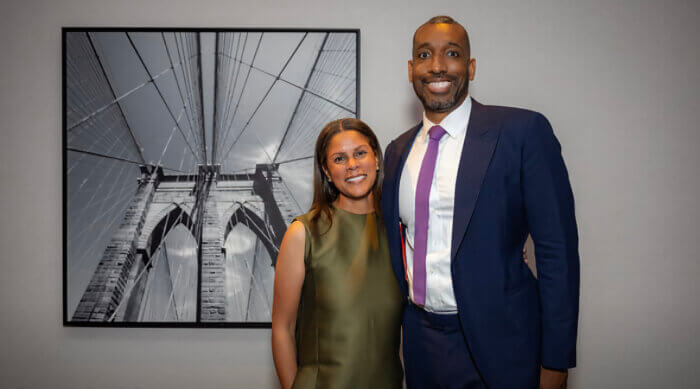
x=511, y=182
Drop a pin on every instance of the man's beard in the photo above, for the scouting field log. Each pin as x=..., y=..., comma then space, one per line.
x=441, y=105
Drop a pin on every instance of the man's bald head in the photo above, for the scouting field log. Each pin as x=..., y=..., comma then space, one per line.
x=444, y=19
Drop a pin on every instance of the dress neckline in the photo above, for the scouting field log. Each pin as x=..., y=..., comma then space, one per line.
x=353, y=213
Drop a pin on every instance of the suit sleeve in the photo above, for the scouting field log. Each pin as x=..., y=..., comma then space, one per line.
x=389, y=150
x=549, y=206
x=385, y=200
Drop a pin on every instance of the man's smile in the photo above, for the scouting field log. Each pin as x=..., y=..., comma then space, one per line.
x=439, y=87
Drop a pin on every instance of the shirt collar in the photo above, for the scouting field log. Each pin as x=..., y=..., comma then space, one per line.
x=455, y=124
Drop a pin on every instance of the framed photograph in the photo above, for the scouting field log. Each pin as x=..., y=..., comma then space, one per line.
x=186, y=154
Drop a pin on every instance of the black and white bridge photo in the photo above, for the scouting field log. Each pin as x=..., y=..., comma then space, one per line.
x=186, y=155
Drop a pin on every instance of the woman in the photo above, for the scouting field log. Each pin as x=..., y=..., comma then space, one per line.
x=336, y=312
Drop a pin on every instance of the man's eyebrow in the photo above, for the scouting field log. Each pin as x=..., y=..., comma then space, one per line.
x=426, y=44
x=422, y=45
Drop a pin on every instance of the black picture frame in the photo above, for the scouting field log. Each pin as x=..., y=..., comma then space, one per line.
x=114, y=121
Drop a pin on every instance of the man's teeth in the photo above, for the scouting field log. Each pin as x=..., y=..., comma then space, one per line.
x=356, y=178
x=441, y=84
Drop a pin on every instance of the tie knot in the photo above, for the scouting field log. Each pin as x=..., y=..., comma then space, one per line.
x=436, y=132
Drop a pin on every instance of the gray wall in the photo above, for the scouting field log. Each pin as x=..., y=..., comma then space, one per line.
x=618, y=80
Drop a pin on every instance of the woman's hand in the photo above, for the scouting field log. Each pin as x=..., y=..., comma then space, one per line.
x=525, y=255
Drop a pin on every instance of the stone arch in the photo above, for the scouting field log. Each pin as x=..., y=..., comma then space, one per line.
x=255, y=223
x=171, y=217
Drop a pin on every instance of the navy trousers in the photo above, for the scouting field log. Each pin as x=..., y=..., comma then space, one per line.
x=435, y=352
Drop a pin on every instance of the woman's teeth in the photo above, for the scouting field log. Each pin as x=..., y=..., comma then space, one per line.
x=356, y=178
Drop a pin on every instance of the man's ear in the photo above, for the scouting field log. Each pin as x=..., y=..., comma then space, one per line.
x=472, y=68
x=410, y=71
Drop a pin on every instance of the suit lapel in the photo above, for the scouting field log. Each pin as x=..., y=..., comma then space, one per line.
x=394, y=166
x=404, y=145
x=479, y=144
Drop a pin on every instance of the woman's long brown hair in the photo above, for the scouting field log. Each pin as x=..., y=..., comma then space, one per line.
x=325, y=193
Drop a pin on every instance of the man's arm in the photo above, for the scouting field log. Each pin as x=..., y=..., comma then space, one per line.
x=549, y=207
x=386, y=200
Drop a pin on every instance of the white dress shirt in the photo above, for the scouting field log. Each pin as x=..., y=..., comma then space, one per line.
x=439, y=295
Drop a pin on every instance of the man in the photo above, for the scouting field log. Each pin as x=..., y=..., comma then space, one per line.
x=462, y=191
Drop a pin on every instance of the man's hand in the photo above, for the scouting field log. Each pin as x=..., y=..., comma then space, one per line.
x=553, y=379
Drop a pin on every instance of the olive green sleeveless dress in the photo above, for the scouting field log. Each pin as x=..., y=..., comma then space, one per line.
x=349, y=319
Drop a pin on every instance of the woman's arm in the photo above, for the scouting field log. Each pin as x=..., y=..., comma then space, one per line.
x=289, y=278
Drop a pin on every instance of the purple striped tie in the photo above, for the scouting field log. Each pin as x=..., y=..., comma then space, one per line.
x=425, y=180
